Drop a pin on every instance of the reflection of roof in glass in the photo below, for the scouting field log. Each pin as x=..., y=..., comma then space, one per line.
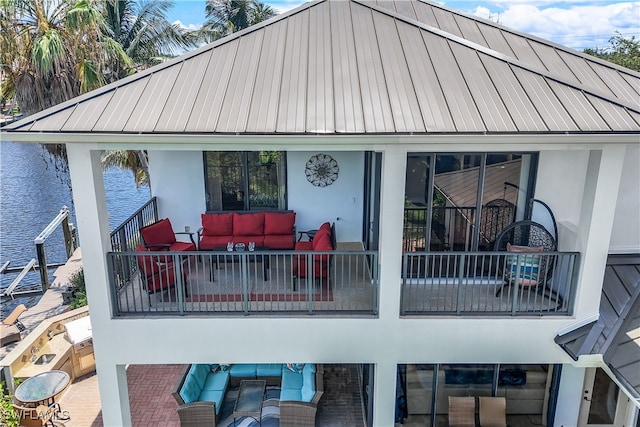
x=460, y=187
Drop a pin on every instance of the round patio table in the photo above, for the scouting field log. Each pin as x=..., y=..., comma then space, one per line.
x=42, y=387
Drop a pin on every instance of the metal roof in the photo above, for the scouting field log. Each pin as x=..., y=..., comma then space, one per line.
x=359, y=67
x=616, y=334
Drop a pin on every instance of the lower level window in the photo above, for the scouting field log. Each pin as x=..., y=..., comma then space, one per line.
x=245, y=180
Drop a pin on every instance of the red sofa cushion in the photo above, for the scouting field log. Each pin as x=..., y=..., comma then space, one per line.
x=214, y=242
x=279, y=222
x=280, y=241
x=258, y=240
x=160, y=233
x=218, y=224
x=248, y=224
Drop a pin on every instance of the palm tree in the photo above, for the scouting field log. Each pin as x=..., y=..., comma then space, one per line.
x=53, y=50
x=143, y=31
x=135, y=161
x=228, y=16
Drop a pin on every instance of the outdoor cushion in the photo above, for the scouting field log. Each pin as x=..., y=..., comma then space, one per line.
x=217, y=381
x=304, y=246
x=323, y=243
x=279, y=222
x=248, y=224
x=199, y=373
x=243, y=370
x=190, y=391
x=278, y=241
x=269, y=370
x=182, y=246
x=159, y=233
x=308, y=391
x=214, y=242
x=216, y=396
x=218, y=224
x=257, y=239
x=309, y=368
x=290, y=394
x=291, y=379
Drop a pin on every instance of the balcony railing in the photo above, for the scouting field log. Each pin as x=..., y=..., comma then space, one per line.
x=477, y=283
x=246, y=283
x=126, y=236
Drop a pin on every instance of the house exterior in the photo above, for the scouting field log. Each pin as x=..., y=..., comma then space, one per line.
x=426, y=112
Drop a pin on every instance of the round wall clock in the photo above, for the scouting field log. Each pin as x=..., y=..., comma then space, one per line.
x=321, y=170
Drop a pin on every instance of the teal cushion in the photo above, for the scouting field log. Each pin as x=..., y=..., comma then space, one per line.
x=243, y=370
x=190, y=391
x=216, y=396
x=200, y=372
x=269, y=370
x=217, y=381
x=307, y=392
x=290, y=394
x=292, y=380
x=309, y=367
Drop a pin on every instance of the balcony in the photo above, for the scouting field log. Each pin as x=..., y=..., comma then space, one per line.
x=243, y=283
x=474, y=283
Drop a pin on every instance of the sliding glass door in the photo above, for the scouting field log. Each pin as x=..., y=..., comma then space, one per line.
x=461, y=202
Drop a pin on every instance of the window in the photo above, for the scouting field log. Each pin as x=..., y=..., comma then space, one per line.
x=245, y=180
x=461, y=202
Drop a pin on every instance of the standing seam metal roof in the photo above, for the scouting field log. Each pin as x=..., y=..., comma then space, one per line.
x=352, y=67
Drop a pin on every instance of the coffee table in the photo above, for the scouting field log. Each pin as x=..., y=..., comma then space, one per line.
x=249, y=402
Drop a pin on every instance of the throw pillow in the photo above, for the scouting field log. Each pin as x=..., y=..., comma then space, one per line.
x=295, y=367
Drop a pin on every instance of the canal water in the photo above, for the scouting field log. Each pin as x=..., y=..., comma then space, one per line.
x=32, y=193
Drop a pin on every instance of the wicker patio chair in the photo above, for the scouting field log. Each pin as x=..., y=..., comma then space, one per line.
x=294, y=413
x=532, y=241
x=37, y=417
x=197, y=414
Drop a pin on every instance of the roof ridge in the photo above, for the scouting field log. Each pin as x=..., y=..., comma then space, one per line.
x=498, y=55
x=528, y=36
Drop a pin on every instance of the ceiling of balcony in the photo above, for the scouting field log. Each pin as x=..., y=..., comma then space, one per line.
x=363, y=67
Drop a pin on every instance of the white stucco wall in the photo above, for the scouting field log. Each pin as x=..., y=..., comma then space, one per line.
x=625, y=236
x=343, y=199
x=178, y=183
x=561, y=188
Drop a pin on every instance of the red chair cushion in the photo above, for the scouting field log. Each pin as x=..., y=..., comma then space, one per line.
x=217, y=224
x=322, y=237
x=182, y=246
x=248, y=224
x=160, y=233
x=279, y=222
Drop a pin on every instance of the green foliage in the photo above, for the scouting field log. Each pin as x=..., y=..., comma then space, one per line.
x=9, y=417
x=228, y=16
x=622, y=51
x=76, y=282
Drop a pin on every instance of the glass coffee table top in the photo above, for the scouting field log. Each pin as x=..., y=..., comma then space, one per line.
x=250, y=399
x=42, y=387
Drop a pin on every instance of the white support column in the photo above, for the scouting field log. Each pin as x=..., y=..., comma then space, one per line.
x=569, y=396
x=93, y=227
x=394, y=162
x=596, y=222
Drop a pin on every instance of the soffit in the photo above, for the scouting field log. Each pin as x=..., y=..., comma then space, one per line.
x=338, y=67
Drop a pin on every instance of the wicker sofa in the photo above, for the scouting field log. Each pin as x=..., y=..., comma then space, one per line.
x=200, y=391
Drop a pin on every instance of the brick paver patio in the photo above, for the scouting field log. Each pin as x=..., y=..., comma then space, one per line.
x=152, y=404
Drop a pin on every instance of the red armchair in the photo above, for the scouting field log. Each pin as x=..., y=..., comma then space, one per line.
x=158, y=272
x=160, y=236
x=324, y=240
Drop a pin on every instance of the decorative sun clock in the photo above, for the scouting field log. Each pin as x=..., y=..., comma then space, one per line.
x=321, y=170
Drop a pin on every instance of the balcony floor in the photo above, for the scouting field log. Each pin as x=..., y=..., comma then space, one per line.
x=339, y=407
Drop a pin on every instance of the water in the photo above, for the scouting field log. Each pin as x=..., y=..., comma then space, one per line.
x=31, y=195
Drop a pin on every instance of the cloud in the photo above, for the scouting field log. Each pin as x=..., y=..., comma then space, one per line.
x=190, y=27
x=576, y=25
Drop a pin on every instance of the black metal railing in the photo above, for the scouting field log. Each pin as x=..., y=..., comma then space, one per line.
x=452, y=227
x=126, y=236
x=489, y=283
x=247, y=283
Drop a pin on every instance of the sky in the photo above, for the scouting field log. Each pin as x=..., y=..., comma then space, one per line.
x=575, y=24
